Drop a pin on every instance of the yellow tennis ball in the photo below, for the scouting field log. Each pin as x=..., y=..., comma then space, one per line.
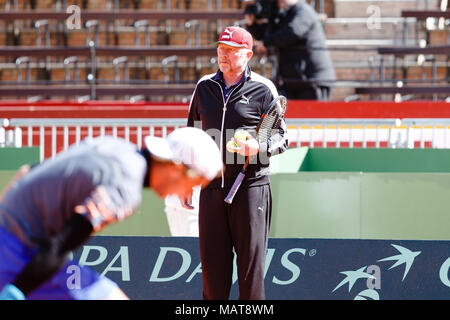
x=241, y=135
x=231, y=145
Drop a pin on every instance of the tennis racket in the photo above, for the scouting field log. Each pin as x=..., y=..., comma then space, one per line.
x=270, y=120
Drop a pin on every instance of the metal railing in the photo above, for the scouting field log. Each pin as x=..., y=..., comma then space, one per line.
x=55, y=135
x=367, y=133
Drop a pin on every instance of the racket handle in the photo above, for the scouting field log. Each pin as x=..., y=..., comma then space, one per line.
x=234, y=188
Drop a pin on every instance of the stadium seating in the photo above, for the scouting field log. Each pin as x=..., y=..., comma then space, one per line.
x=154, y=42
x=412, y=82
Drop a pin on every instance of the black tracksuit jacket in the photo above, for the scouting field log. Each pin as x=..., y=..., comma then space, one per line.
x=242, y=110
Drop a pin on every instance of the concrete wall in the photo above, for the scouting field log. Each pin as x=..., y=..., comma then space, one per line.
x=366, y=199
x=361, y=205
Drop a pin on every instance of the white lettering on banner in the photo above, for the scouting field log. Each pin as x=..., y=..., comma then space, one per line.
x=197, y=270
x=269, y=256
x=443, y=272
x=290, y=266
x=186, y=263
x=103, y=253
x=159, y=262
x=124, y=264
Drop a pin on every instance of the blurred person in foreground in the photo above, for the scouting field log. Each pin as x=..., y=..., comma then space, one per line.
x=294, y=30
x=53, y=208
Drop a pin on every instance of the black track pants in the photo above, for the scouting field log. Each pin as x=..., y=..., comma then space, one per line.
x=242, y=225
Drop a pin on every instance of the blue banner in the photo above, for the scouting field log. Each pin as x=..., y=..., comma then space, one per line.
x=296, y=269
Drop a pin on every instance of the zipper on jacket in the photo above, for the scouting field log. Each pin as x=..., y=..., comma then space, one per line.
x=224, y=109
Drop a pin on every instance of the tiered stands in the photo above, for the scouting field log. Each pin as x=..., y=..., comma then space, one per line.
x=419, y=84
x=406, y=60
x=140, y=47
x=96, y=54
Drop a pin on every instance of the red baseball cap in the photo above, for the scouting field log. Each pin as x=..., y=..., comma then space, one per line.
x=236, y=37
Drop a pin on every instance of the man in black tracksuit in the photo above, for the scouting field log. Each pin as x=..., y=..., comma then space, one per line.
x=304, y=63
x=220, y=106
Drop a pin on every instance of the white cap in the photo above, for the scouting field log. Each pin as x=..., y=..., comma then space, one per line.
x=190, y=146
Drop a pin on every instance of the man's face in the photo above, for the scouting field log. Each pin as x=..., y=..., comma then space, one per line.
x=169, y=178
x=232, y=59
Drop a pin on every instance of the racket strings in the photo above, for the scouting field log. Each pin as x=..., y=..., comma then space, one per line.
x=272, y=119
x=268, y=125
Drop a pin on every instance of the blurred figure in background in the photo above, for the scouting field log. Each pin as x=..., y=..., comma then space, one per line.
x=294, y=30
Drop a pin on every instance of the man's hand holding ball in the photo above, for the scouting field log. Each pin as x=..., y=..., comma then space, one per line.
x=243, y=143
